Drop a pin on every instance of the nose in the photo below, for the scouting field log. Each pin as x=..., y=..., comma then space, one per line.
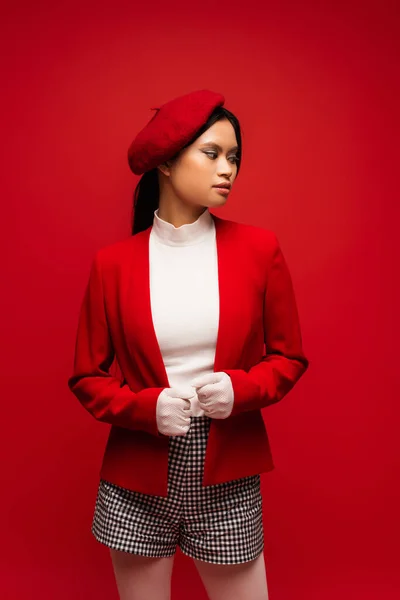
x=225, y=168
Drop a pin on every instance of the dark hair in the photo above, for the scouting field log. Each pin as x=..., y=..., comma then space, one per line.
x=147, y=193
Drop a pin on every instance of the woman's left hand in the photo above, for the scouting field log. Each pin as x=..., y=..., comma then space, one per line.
x=215, y=394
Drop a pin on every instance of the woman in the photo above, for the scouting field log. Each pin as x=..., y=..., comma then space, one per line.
x=186, y=306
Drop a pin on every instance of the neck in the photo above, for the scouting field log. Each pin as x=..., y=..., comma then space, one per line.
x=185, y=234
x=180, y=216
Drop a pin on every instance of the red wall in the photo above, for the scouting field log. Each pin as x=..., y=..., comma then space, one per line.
x=316, y=88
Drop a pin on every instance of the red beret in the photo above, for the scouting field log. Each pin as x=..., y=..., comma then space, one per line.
x=171, y=128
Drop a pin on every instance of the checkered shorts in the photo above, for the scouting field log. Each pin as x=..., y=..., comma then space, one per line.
x=220, y=523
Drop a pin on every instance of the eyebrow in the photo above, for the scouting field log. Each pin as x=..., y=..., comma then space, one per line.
x=218, y=146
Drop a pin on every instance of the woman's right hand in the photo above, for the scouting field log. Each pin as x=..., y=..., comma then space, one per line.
x=173, y=410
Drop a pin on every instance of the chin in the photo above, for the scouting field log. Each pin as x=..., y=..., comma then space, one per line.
x=214, y=203
x=217, y=202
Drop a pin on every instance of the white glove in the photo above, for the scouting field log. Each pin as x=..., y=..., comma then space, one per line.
x=215, y=394
x=173, y=410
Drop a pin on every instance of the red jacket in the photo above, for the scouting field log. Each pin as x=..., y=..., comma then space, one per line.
x=257, y=307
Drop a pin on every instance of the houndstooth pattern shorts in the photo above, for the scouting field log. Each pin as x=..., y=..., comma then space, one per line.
x=220, y=523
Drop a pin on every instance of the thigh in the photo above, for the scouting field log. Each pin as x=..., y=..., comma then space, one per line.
x=234, y=582
x=139, y=577
x=137, y=523
x=223, y=524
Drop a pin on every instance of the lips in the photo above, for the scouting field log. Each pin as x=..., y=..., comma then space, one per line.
x=223, y=186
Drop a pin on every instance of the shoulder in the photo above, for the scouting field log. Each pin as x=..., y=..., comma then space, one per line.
x=258, y=244
x=110, y=258
x=115, y=250
x=261, y=238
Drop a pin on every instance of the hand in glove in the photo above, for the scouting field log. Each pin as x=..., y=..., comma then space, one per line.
x=173, y=410
x=215, y=394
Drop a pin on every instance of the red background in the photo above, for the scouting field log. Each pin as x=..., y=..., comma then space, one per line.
x=315, y=86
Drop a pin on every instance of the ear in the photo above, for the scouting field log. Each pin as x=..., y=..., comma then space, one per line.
x=165, y=168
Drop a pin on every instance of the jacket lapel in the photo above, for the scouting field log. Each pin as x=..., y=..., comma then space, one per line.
x=138, y=323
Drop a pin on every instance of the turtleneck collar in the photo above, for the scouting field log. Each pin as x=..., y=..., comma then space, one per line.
x=185, y=235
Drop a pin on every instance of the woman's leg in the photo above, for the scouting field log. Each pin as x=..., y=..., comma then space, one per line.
x=234, y=582
x=139, y=577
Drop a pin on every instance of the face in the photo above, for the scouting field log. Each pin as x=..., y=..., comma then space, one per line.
x=209, y=161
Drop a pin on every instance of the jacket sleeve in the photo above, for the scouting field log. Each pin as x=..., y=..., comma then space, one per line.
x=284, y=363
x=100, y=393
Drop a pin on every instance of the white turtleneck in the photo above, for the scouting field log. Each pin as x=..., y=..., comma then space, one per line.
x=185, y=297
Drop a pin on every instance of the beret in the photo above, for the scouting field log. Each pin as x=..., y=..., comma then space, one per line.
x=171, y=128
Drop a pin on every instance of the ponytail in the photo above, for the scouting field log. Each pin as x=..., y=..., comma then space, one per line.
x=146, y=200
